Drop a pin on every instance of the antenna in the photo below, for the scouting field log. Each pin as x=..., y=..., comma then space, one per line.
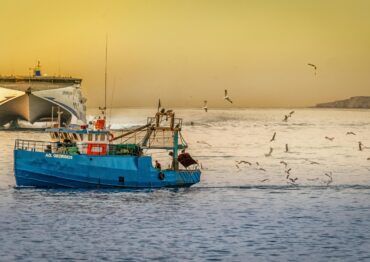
x=111, y=101
x=106, y=62
x=103, y=109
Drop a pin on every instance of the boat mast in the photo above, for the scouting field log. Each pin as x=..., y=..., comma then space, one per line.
x=103, y=109
x=105, y=82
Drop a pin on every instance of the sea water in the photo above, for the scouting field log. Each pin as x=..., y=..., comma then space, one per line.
x=238, y=212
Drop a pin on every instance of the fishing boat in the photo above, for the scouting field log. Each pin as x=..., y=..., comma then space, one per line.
x=92, y=157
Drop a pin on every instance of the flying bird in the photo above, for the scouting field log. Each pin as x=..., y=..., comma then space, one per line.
x=285, y=118
x=284, y=163
x=314, y=163
x=351, y=133
x=227, y=98
x=262, y=169
x=264, y=180
x=312, y=179
x=329, y=138
x=205, y=107
x=244, y=162
x=360, y=145
x=203, y=142
x=273, y=137
x=329, y=175
x=293, y=179
x=286, y=148
x=288, y=173
x=237, y=166
x=269, y=153
x=291, y=113
x=314, y=66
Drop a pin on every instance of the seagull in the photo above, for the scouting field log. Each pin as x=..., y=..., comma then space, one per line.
x=264, y=180
x=237, y=166
x=351, y=133
x=227, y=98
x=329, y=175
x=312, y=179
x=269, y=153
x=314, y=66
x=205, y=107
x=257, y=163
x=261, y=169
x=291, y=113
x=293, y=179
x=284, y=163
x=360, y=146
x=285, y=118
x=314, y=163
x=288, y=173
x=286, y=148
x=244, y=162
x=329, y=138
x=203, y=142
x=273, y=137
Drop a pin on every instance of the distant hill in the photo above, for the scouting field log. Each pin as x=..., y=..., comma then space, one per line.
x=353, y=102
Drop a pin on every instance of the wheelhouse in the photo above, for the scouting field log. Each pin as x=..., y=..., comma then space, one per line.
x=90, y=142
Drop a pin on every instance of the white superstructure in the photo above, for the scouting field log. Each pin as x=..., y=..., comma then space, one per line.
x=38, y=98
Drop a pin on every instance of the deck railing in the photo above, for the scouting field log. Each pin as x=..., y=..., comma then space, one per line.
x=62, y=148
x=35, y=146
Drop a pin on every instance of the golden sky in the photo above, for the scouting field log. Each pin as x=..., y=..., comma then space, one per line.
x=186, y=51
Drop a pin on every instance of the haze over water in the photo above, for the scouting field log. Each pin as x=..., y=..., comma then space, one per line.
x=230, y=215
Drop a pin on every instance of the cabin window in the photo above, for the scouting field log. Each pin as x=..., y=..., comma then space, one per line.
x=96, y=137
x=102, y=137
x=96, y=149
x=89, y=137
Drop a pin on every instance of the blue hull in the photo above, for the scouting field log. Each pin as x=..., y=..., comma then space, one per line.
x=38, y=169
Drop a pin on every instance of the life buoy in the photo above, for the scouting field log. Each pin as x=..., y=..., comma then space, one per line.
x=111, y=137
x=161, y=176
